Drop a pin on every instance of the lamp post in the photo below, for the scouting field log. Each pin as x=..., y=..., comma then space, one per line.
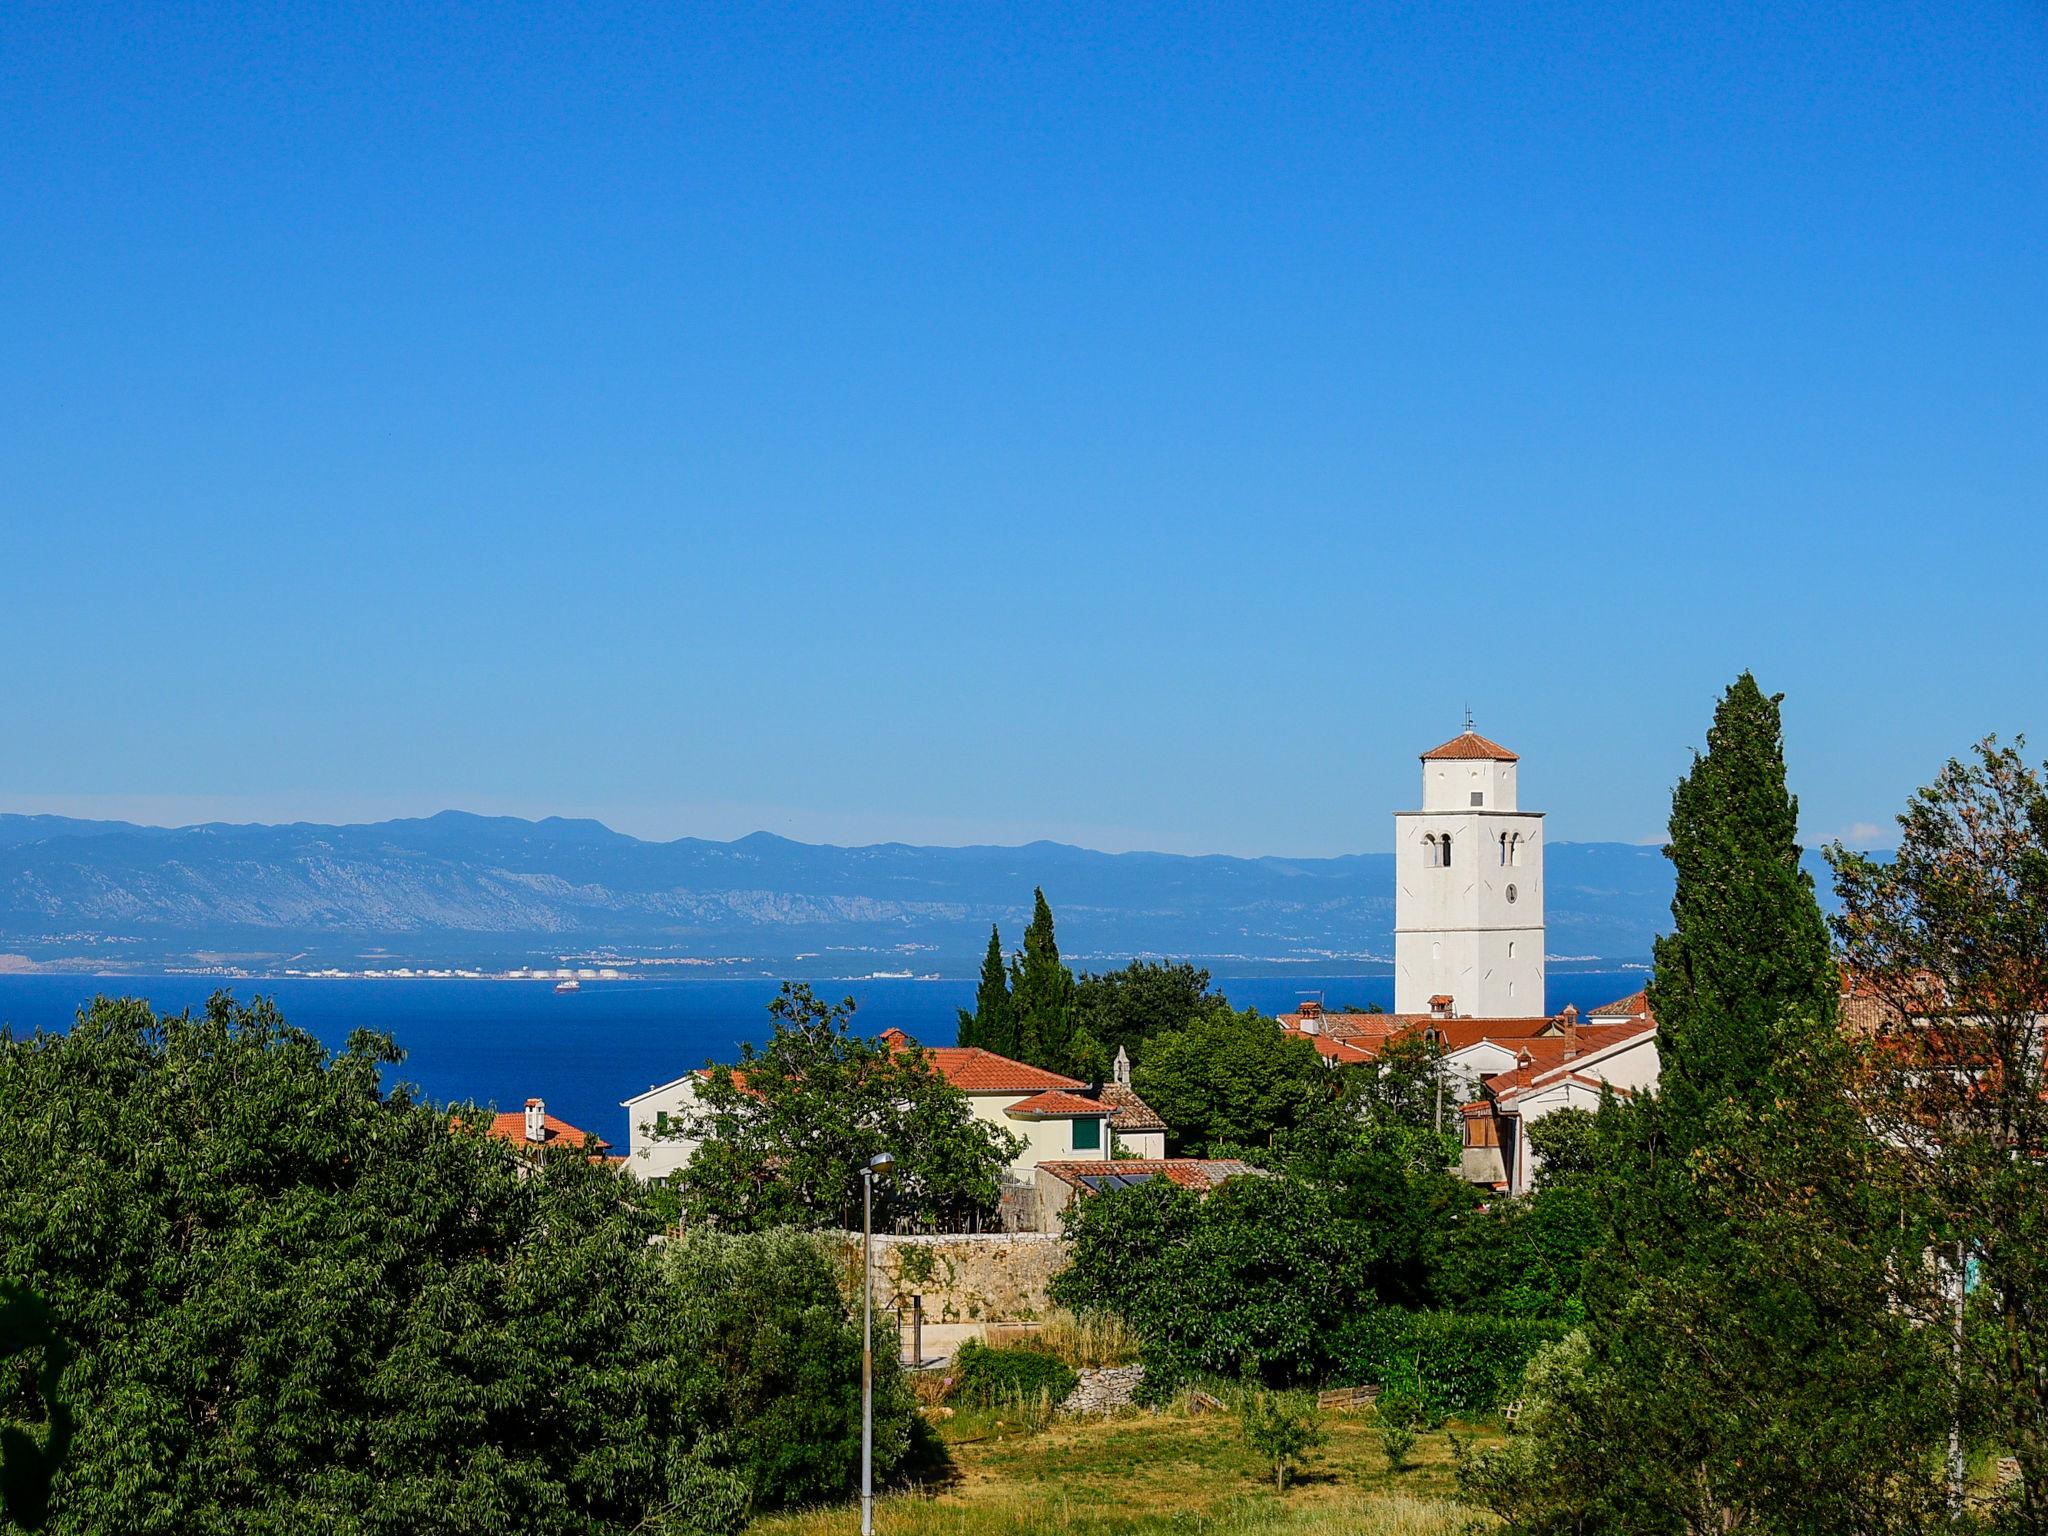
x=881, y=1162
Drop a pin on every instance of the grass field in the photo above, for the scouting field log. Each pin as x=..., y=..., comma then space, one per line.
x=1166, y=1473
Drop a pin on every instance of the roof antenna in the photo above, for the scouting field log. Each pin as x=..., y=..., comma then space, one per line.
x=1468, y=719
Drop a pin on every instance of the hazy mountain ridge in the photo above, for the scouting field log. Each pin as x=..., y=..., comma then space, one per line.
x=462, y=887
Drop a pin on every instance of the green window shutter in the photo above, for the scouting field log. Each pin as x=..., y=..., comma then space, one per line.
x=1088, y=1134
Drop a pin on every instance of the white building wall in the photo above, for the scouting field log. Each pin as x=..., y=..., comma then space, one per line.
x=1142, y=1143
x=1471, y=929
x=656, y=1157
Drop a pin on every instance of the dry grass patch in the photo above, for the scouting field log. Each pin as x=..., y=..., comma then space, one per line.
x=1161, y=1473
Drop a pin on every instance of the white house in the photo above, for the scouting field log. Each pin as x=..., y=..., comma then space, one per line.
x=1468, y=873
x=1059, y=1118
x=1568, y=1071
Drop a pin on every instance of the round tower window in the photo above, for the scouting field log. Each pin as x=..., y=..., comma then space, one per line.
x=1511, y=893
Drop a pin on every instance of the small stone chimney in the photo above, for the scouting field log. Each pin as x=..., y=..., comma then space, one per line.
x=1311, y=1014
x=1570, y=1020
x=1120, y=1069
x=536, y=1121
x=1440, y=1006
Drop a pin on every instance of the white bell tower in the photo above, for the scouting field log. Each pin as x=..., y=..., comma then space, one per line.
x=1468, y=888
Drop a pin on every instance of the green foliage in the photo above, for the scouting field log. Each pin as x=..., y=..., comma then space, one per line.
x=1232, y=1080
x=1254, y=1279
x=1398, y=1415
x=1452, y=1364
x=1281, y=1428
x=27, y=1468
x=984, y=1376
x=1146, y=998
x=1745, y=975
x=1949, y=942
x=785, y=1134
x=1042, y=994
x=298, y=1303
x=772, y=1366
x=1745, y=1361
x=993, y=1024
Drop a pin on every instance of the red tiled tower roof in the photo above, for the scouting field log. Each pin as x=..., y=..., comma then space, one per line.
x=1472, y=745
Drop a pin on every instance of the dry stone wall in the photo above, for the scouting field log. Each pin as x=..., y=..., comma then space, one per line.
x=979, y=1278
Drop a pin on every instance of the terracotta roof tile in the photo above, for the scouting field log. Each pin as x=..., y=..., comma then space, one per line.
x=1197, y=1173
x=510, y=1125
x=1056, y=1101
x=974, y=1070
x=1472, y=745
x=1635, y=1006
x=1128, y=1112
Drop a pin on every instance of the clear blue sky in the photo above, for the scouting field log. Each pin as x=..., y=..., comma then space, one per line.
x=1142, y=426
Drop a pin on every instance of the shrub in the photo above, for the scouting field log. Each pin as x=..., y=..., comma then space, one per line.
x=1397, y=1413
x=984, y=1376
x=1458, y=1364
x=1281, y=1429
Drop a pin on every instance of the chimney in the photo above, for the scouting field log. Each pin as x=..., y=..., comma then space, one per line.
x=1570, y=1019
x=1440, y=1006
x=1121, y=1069
x=536, y=1120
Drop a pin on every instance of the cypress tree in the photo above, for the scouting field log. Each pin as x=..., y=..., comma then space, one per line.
x=1042, y=993
x=993, y=1024
x=1745, y=974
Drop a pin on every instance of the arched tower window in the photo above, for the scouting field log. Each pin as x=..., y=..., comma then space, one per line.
x=1515, y=849
x=1447, y=850
x=1430, y=857
x=1503, y=848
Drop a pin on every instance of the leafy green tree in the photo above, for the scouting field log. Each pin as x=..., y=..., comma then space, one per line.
x=297, y=1302
x=1042, y=994
x=784, y=1134
x=1146, y=998
x=1397, y=1414
x=772, y=1369
x=1253, y=1279
x=1948, y=942
x=993, y=1024
x=1745, y=977
x=1281, y=1428
x=1231, y=1081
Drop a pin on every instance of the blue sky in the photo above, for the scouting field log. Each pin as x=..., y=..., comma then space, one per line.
x=1136, y=425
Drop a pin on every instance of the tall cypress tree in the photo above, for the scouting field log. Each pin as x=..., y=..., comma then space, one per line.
x=993, y=1024
x=1744, y=1364
x=1745, y=975
x=1042, y=993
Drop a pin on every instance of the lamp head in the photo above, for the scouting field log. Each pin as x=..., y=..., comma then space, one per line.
x=881, y=1162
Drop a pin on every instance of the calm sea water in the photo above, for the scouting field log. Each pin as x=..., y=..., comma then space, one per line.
x=501, y=1041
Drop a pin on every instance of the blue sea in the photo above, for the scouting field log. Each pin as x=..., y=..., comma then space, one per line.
x=499, y=1042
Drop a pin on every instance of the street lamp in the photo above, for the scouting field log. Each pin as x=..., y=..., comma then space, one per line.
x=881, y=1162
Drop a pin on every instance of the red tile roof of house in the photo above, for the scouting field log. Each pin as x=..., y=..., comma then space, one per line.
x=1128, y=1112
x=1635, y=1006
x=974, y=1070
x=1056, y=1101
x=1547, y=1060
x=1361, y=1036
x=1197, y=1173
x=1470, y=744
x=510, y=1125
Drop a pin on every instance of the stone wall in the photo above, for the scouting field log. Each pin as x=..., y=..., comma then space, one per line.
x=979, y=1278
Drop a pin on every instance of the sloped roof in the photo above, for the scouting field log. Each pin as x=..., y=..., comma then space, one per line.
x=1471, y=745
x=1635, y=1006
x=1128, y=1112
x=1548, y=1062
x=510, y=1125
x=1056, y=1101
x=974, y=1070
x=1201, y=1174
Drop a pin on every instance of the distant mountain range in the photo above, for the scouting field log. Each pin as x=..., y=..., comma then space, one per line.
x=457, y=889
